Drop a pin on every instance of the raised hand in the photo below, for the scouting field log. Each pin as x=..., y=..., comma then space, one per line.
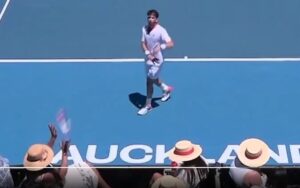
x=65, y=144
x=53, y=131
x=53, y=135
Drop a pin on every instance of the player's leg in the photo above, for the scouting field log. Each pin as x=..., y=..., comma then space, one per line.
x=147, y=107
x=149, y=91
x=167, y=89
x=164, y=87
x=160, y=84
x=149, y=88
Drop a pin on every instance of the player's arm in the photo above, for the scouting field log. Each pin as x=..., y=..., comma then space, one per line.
x=144, y=48
x=144, y=44
x=147, y=52
x=168, y=42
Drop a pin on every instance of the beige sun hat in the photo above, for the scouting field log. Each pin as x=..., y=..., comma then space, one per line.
x=168, y=181
x=184, y=150
x=253, y=152
x=37, y=157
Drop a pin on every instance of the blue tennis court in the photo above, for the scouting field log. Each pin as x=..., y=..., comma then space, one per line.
x=216, y=105
x=234, y=68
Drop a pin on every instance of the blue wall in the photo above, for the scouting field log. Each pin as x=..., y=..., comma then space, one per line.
x=112, y=28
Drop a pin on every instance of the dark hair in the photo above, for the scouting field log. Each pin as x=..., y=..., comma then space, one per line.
x=154, y=12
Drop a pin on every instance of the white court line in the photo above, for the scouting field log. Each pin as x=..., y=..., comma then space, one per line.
x=131, y=60
x=4, y=9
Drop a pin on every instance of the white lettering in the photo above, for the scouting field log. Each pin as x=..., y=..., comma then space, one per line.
x=161, y=154
x=295, y=153
x=125, y=154
x=74, y=155
x=91, y=155
x=282, y=156
x=227, y=154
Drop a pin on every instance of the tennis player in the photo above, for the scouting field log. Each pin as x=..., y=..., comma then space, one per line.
x=155, y=39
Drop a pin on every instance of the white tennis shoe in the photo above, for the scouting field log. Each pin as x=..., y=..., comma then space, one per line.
x=167, y=94
x=143, y=111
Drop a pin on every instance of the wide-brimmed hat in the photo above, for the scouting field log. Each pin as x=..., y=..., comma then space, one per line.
x=37, y=157
x=168, y=181
x=184, y=150
x=253, y=152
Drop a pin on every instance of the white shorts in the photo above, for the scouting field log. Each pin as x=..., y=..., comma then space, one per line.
x=153, y=69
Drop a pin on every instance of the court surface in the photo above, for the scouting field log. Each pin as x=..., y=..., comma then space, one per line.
x=214, y=104
x=85, y=57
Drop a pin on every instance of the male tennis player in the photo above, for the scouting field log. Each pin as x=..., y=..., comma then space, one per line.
x=155, y=39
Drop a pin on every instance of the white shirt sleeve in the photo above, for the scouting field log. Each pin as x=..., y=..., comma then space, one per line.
x=165, y=36
x=143, y=34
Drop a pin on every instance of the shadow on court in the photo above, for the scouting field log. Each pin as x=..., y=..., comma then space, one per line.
x=139, y=100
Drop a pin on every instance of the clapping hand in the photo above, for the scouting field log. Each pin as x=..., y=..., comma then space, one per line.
x=52, y=130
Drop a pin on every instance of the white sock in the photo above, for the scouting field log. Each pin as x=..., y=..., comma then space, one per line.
x=164, y=86
x=148, y=101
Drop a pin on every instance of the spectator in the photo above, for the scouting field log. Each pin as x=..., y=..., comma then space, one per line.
x=187, y=154
x=84, y=175
x=252, y=153
x=6, y=180
x=168, y=181
x=39, y=170
x=192, y=167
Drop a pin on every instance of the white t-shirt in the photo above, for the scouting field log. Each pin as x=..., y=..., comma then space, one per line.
x=6, y=179
x=183, y=175
x=238, y=172
x=157, y=36
x=81, y=175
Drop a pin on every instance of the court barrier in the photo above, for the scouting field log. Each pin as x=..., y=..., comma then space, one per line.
x=278, y=177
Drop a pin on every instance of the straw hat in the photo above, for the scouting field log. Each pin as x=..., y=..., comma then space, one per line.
x=253, y=152
x=38, y=157
x=168, y=181
x=184, y=150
